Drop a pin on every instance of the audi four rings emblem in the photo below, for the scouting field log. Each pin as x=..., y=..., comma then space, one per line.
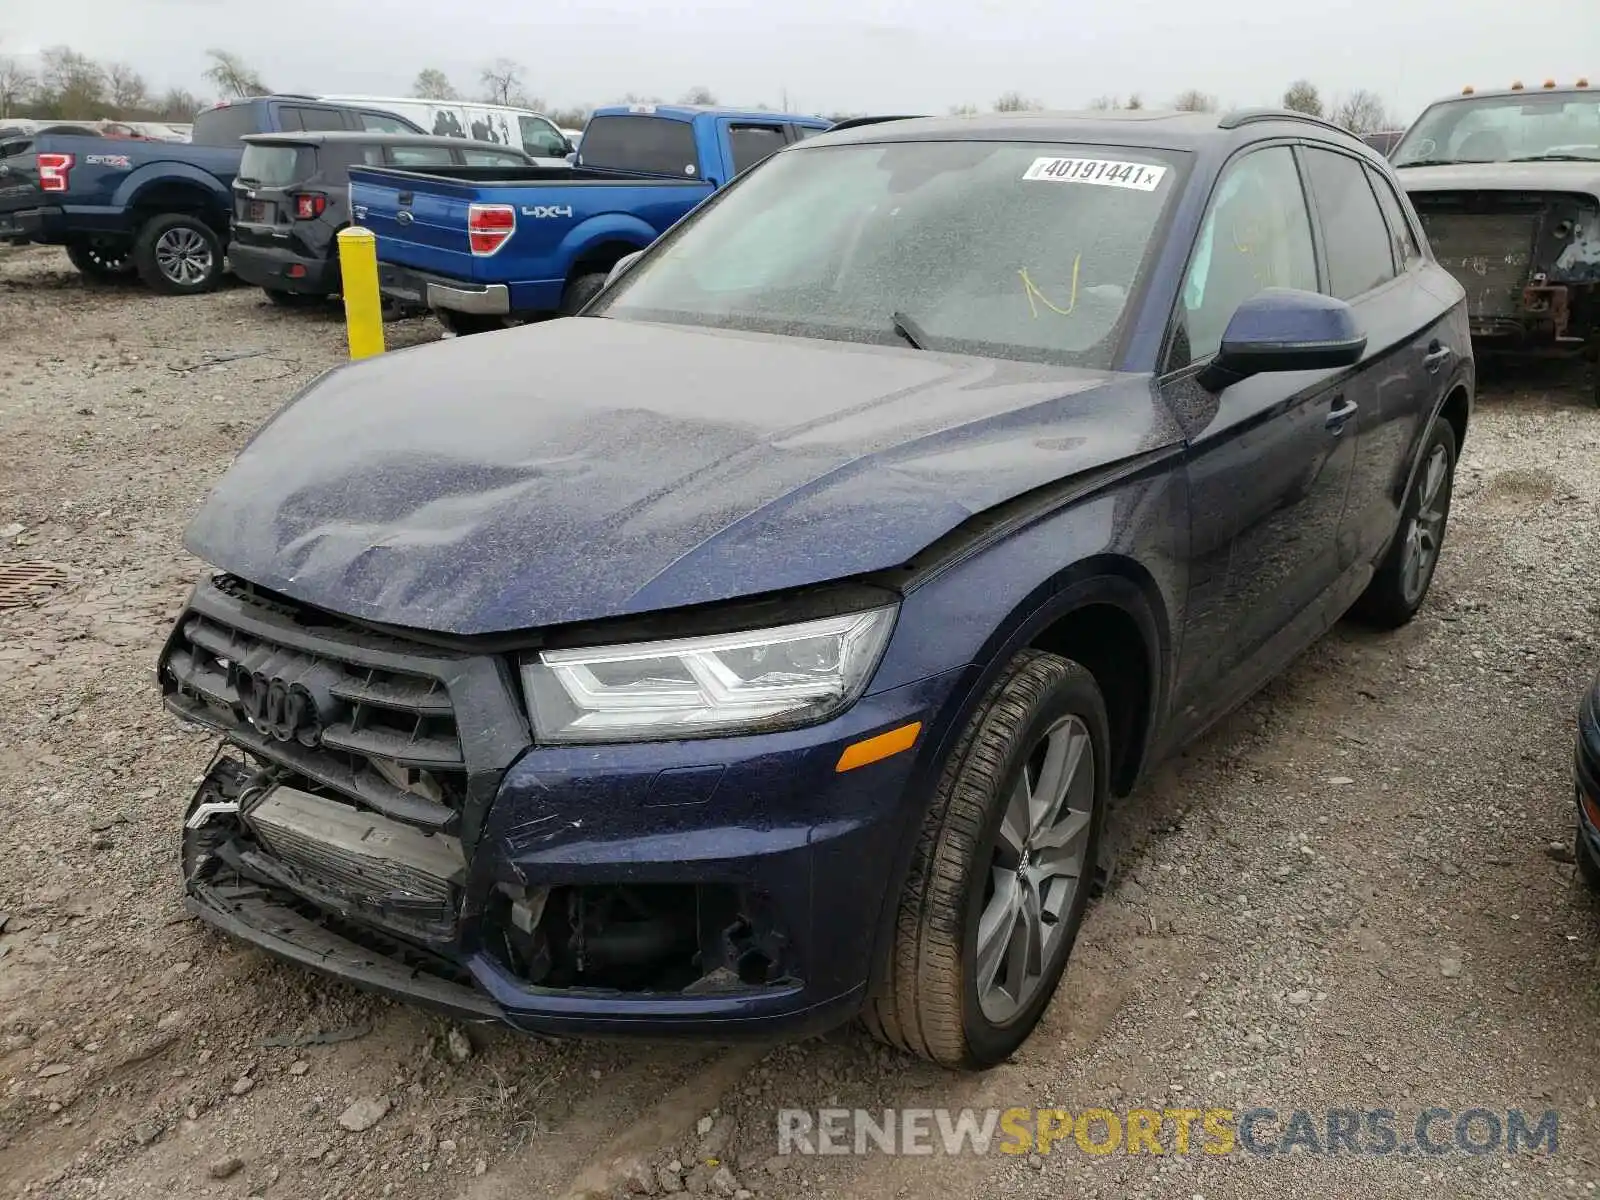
x=277, y=708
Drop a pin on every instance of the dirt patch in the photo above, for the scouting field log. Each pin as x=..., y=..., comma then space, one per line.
x=1344, y=896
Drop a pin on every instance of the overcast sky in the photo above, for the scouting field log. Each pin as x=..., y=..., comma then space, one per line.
x=842, y=55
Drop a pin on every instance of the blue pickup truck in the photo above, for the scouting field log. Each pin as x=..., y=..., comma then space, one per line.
x=484, y=246
x=124, y=206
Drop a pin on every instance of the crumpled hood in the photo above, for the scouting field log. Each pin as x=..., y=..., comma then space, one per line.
x=587, y=468
x=1578, y=177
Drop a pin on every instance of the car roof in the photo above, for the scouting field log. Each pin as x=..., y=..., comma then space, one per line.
x=686, y=112
x=352, y=99
x=1155, y=128
x=1520, y=93
x=320, y=137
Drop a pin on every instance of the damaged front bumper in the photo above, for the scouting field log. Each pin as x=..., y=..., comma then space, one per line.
x=712, y=887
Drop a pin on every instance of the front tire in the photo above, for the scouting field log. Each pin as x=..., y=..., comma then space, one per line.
x=101, y=260
x=1401, y=583
x=1002, y=870
x=178, y=254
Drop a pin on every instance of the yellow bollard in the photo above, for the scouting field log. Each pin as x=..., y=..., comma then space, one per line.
x=363, y=306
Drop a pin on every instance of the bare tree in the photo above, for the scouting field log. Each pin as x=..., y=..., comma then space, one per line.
x=432, y=84
x=71, y=84
x=1135, y=101
x=16, y=85
x=232, y=77
x=1362, y=112
x=963, y=110
x=1106, y=103
x=129, y=93
x=1195, y=100
x=1016, y=102
x=698, y=95
x=502, y=81
x=1302, y=96
x=178, y=104
x=575, y=117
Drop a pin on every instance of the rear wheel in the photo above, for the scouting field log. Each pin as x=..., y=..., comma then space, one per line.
x=580, y=290
x=101, y=260
x=1002, y=870
x=1402, y=579
x=178, y=254
x=461, y=324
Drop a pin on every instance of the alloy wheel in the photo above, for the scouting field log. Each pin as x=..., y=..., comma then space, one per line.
x=184, y=256
x=1036, y=869
x=1426, y=529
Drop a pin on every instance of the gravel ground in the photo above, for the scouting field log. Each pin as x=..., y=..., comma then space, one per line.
x=1354, y=894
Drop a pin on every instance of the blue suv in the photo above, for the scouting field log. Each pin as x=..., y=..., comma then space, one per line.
x=768, y=644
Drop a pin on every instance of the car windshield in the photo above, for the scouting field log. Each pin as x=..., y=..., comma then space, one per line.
x=1005, y=249
x=1504, y=129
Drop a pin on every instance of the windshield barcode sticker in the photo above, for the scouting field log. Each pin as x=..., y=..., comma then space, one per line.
x=1104, y=172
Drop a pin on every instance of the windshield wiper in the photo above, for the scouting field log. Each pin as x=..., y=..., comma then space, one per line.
x=1557, y=158
x=1428, y=162
x=908, y=328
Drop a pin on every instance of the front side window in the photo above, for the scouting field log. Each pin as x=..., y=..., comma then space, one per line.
x=1032, y=251
x=1360, y=254
x=1518, y=128
x=493, y=158
x=1256, y=235
x=542, y=139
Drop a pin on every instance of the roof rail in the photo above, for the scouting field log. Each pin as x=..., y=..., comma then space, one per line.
x=1249, y=116
x=857, y=122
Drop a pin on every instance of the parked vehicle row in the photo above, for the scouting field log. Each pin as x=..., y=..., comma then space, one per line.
x=482, y=247
x=767, y=644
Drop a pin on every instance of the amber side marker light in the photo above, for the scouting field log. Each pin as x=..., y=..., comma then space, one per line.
x=876, y=749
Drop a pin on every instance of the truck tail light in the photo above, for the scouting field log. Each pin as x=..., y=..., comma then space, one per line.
x=53, y=169
x=308, y=205
x=490, y=226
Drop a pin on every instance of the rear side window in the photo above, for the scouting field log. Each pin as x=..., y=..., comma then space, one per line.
x=1359, y=254
x=277, y=166
x=226, y=125
x=384, y=123
x=752, y=143
x=311, y=119
x=640, y=143
x=1406, y=250
x=493, y=158
x=12, y=149
x=421, y=156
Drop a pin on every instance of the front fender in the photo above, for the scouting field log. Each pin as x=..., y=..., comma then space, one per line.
x=162, y=174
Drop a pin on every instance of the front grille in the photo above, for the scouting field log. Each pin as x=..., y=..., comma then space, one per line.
x=385, y=737
x=1490, y=254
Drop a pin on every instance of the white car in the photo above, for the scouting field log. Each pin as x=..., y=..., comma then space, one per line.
x=529, y=131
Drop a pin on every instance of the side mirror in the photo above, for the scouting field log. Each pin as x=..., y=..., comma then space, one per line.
x=623, y=263
x=1285, y=329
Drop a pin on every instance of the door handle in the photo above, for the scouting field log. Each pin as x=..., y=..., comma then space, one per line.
x=1436, y=357
x=1345, y=410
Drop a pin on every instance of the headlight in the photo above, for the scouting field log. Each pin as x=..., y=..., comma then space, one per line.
x=728, y=683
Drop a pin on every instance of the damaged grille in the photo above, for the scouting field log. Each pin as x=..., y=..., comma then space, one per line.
x=361, y=713
x=1490, y=254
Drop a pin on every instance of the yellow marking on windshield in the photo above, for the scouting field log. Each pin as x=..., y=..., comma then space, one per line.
x=1032, y=292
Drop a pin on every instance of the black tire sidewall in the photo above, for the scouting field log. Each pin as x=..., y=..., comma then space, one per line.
x=144, y=254
x=1074, y=695
x=580, y=290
